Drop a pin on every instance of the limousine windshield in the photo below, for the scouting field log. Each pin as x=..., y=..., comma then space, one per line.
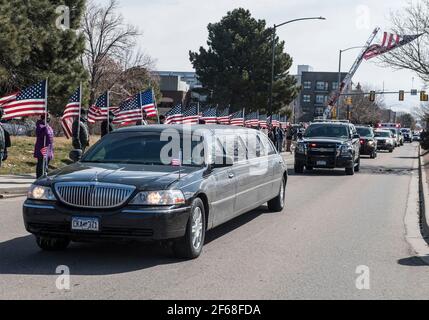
x=145, y=148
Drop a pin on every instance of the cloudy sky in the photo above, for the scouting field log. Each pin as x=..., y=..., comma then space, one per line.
x=173, y=27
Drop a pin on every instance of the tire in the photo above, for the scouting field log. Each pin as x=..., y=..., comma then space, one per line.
x=191, y=245
x=373, y=155
x=278, y=203
x=299, y=168
x=309, y=168
x=391, y=150
x=350, y=171
x=52, y=244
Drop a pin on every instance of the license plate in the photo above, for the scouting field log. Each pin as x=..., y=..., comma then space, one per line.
x=85, y=224
x=321, y=163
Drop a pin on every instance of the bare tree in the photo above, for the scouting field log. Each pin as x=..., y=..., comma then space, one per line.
x=413, y=19
x=111, y=47
x=363, y=111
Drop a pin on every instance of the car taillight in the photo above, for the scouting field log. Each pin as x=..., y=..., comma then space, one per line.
x=313, y=145
x=362, y=141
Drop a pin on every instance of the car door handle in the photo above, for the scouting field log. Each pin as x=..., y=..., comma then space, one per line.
x=231, y=175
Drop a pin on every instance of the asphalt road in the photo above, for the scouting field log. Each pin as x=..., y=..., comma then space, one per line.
x=332, y=224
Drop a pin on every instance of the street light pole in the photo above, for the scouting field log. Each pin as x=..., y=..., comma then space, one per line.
x=273, y=39
x=339, y=76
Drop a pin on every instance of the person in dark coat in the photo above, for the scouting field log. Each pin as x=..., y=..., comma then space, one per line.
x=161, y=119
x=106, y=126
x=280, y=136
x=80, y=133
x=2, y=140
x=44, y=147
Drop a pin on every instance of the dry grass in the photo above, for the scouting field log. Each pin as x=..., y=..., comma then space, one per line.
x=20, y=155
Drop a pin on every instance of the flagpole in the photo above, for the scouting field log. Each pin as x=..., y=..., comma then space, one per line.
x=108, y=111
x=46, y=124
x=244, y=115
x=80, y=113
x=156, y=106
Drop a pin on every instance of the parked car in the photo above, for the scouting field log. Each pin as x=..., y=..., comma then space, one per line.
x=395, y=136
x=385, y=139
x=123, y=189
x=329, y=145
x=408, y=137
x=416, y=136
x=368, y=144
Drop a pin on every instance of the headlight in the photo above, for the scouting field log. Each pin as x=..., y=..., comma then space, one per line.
x=370, y=143
x=346, y=150
x=159, y=198
x=40, y=193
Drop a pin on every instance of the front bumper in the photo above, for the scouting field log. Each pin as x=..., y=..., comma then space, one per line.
x=128, y=223
x=332, y=162
x=366, y=149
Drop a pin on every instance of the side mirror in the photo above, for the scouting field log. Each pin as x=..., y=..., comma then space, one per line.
x=223, y=162
x=75, y=155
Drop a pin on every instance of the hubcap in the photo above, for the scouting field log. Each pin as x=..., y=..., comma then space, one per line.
x=282, y=194
x=197, y=228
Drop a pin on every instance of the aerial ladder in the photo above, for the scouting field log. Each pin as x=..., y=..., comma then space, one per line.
x=335, y=96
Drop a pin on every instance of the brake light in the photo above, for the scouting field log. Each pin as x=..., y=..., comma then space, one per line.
x=313, y=145
x=362, y=141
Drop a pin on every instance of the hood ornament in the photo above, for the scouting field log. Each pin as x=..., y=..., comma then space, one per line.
x=96, y=177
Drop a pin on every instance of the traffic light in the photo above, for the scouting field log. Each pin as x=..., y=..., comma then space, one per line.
x=372, y=96
x=401, y=95
x=423, y=96
x=349, y=101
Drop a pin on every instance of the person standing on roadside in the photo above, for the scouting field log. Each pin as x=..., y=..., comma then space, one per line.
x=44, y=147
x=80, y=132
x=4, y=141
x=106, y=125
x=280, y=136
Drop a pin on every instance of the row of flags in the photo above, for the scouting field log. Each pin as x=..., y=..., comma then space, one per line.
x=32, y=101
x=213, y=115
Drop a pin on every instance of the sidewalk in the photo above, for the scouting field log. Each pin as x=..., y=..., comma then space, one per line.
x=11, y=185
x=424, y=165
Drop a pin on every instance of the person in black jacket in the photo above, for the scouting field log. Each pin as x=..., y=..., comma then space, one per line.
x=80, y=132
x=2, y=140
x=106, y=126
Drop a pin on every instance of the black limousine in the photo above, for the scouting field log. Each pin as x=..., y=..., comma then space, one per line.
x=167, y=183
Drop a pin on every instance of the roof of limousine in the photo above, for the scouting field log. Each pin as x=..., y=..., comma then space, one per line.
x=160, y=127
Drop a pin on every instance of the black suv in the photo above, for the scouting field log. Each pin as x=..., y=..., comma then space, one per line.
x=368, y=143
x=329, y=145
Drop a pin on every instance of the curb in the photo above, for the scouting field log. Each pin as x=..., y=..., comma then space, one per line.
x=424, y=198
x=13, y=192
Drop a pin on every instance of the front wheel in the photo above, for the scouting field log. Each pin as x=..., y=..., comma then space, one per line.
x=350, y=171
x=191, y=245
x=357, y=168
x=52, y=244
x=278, y=203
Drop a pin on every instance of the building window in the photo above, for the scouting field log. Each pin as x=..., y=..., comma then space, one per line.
x=321, y=86
x=306, y=98
x=307, y=85
x=319, y=111
x=334, y=85
x=321, y=99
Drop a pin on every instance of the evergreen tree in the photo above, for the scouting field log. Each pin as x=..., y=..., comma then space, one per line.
x=236, y=67
x=33, y=48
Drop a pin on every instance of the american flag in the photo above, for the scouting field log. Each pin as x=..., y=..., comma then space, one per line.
x=30, y=101
x=275, y=120
x=263, y=121
x=98, y=111
x=130, y=110
x=252, y=119
x=283, y=121
x=389, y=42
x=210, y=115
x=44, y=151
x=223, y=117
x=191, y=116
x=148, y=103
x=237, y=118
x=71, y=111
x=174, y=115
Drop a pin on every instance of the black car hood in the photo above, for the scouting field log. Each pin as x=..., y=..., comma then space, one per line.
x=144, y=177
x=324, y=140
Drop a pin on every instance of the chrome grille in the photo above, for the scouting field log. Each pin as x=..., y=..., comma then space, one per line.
x=93, y=194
